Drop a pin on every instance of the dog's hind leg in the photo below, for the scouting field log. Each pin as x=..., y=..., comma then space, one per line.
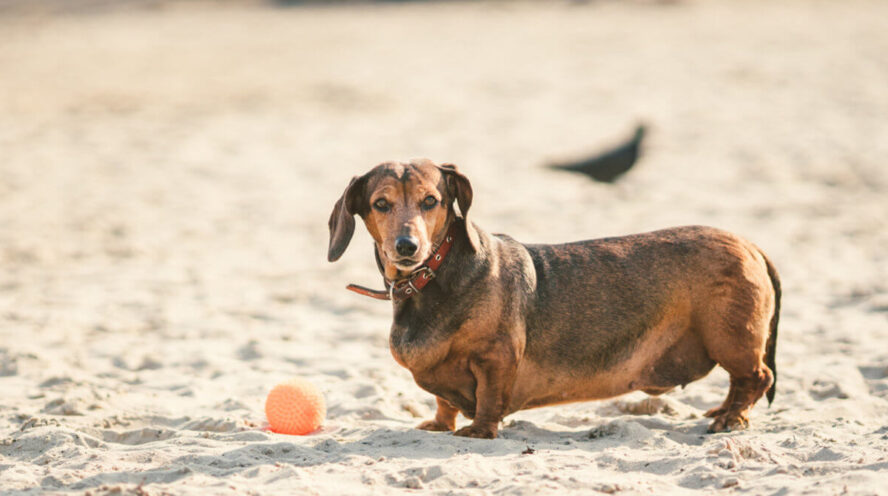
x=739, y=390
x=744, y=392
x=740, y=350
x=735, y=329
x=715, y=412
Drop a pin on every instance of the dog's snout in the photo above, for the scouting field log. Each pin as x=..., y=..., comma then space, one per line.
x=405, y=245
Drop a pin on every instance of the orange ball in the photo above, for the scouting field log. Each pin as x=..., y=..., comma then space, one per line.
x=295, y=407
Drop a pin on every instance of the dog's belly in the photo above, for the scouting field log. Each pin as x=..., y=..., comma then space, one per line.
x=538, y=386
x=671, y=354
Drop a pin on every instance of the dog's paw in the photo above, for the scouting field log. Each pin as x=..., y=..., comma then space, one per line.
x=434, y=425
x=727, y=422
x=476, y=431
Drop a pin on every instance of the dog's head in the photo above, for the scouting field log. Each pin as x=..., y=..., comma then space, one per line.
x=406, y=207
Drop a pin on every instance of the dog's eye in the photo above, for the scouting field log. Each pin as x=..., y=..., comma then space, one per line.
x=382, y=205
x=429, y=202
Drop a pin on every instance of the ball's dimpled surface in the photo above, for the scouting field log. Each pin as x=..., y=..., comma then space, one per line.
x=295, y=407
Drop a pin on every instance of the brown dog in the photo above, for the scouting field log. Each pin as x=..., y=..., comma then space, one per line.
x=491, y=326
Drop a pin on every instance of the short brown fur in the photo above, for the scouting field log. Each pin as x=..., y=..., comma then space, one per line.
x=506, y=326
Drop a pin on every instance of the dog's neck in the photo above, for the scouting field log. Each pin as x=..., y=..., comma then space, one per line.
x=460, y=269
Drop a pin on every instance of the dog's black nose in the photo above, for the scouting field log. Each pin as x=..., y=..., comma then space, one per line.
x=405, y=245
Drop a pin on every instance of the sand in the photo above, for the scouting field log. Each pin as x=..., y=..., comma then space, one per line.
x=166, y=174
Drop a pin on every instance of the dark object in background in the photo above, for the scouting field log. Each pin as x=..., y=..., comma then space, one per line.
x=608, y=166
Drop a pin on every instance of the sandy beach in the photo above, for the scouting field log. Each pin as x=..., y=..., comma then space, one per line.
x=167, y=171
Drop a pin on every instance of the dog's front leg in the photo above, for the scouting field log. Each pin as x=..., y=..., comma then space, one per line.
x=494, y=376
x=445, y=417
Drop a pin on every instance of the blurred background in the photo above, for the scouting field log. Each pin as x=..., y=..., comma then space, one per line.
x=214, y=136
x=167, y=170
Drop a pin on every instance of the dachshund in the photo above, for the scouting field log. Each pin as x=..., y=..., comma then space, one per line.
x=491, y=326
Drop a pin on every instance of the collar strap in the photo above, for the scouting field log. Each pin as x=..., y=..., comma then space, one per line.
x=405, y=288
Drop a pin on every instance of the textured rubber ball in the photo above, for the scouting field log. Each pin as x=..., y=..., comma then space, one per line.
x=295, y=407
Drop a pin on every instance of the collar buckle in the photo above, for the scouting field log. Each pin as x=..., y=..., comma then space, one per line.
x=425, y=272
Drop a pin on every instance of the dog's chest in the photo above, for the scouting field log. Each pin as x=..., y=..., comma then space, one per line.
x=417, y=347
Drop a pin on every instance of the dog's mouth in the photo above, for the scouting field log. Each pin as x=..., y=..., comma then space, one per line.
x=406, y=263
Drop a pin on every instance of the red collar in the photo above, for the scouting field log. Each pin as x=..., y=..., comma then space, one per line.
x=405, y=288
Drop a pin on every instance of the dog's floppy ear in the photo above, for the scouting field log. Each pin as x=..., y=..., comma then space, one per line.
x=342, y=219
x=459, y=187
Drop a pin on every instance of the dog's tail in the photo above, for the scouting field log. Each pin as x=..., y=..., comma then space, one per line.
x=771, y=346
